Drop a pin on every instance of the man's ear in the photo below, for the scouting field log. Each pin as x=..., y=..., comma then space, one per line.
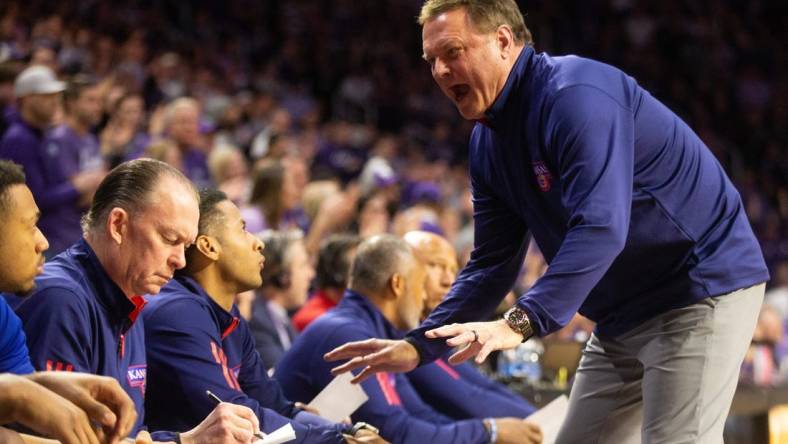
x=504, y=37
x=397, y=285
x=209, y=247
x=118, y=225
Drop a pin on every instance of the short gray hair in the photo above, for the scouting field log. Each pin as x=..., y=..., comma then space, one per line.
x=376, y=261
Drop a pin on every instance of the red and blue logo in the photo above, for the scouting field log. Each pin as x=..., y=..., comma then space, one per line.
x=136, y=376
x=543, y=176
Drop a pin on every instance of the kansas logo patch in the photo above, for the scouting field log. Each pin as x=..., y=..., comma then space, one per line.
x=136, y=376
x=543, y=177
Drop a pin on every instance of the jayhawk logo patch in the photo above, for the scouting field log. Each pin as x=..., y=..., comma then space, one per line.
x=543, y=177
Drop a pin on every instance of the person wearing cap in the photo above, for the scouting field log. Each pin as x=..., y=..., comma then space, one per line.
x=37, y=92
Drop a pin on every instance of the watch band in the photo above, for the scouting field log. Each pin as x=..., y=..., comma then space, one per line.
x=517, y=319
x=363, y=426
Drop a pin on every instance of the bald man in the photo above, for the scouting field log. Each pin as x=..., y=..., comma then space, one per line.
x=461, y=391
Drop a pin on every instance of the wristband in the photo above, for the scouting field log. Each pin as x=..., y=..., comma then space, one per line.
x=493, y=430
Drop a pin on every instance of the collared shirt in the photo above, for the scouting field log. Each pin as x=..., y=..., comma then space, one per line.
x=272, y=330
x=394, y=406
x=315, y=307
x=631, y=210
x=282, y=324
x=51, y=188
x=194, y=345
x=14, y=357
x=78, y=319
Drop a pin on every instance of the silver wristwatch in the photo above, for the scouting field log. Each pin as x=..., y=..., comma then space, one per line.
x=517, y=319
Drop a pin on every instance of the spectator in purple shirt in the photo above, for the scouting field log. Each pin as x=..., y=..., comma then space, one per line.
x=124, y=137
x=182, y=126
x=73, y=150
x=38, y=93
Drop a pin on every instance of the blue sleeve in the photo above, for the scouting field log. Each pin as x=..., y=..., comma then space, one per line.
x=501, y=400
x=592, y=139
x=179, y=341
x=254, y=378
x=56, y=322
x=389, y=396
x=500, y=243
x=450, y=390
x=14, y=357
x=162, y=436
x=39, y=179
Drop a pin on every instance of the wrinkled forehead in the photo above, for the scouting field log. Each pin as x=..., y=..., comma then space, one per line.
x=175, y=206
x=454, y=23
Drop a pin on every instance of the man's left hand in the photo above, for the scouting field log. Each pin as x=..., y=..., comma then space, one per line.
x=477, y=339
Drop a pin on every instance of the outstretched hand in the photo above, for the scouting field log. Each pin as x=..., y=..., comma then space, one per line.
x=374, y=355
x=476, y=339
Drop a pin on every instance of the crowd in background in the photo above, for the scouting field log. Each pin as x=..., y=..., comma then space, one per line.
x=321, y=115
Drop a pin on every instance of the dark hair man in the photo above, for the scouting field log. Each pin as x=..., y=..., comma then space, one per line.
x=52, y=404
x=197, y=341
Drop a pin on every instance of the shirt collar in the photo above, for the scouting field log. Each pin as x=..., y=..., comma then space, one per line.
x=520, y=69
x=360, y=303
x=228, y=320
x=124, y=309
x=276, y=309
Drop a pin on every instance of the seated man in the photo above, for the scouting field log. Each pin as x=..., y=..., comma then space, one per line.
x=333, y=265
x=57, y=405
x=286, y=279
x=197, y=341
x=83, y=314
x=385, y=298
x=460, y=391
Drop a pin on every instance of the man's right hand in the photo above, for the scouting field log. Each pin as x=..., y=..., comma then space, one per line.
x=374, y=355
x=45, y=412
x=517, y=431
x=101, y=397
x=227, y=424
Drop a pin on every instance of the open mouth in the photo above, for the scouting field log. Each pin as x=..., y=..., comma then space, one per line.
x=459, y=92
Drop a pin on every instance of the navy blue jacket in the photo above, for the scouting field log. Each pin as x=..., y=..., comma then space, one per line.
x=462, y=392
x=394, y=406
x=77, y=319
x=14, y=357
x=194, y=345
x=632, y=211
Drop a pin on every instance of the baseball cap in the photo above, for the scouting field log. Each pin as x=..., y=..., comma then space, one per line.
x=37, y=79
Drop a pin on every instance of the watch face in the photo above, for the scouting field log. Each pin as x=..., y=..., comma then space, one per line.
x=519, y=321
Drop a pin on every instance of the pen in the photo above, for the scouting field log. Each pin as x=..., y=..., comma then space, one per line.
x=218, y=401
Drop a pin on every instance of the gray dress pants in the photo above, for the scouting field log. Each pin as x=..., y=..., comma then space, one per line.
x=669, y=380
